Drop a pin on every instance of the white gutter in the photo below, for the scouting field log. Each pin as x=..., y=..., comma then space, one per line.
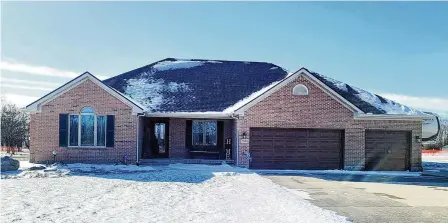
x=204, y=115
x=389, y=117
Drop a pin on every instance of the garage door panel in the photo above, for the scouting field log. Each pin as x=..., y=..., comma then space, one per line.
x=387, y=150
x=295, y=148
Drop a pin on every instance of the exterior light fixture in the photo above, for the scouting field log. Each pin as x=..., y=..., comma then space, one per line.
x=244, y=135
x=54, y=156
x=418, y=139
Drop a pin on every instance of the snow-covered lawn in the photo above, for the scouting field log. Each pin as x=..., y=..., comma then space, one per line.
x=435, y=162
x=177, y=193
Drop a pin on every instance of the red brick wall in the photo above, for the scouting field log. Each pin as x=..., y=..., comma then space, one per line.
x=44, y=127
x=318, y=110
x=177, y=139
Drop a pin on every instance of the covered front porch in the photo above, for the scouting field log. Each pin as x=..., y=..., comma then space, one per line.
x=194, y=140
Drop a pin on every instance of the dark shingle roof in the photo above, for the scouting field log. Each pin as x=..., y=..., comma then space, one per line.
x=182, y=85
x=364, y=100
x=350, y=95
x=175, y=85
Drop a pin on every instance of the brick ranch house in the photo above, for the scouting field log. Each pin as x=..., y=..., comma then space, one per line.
x=251, y=114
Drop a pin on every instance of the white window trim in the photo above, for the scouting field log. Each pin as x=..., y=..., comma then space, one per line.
x=299, y=93
x=94, y=131
x=203, y=127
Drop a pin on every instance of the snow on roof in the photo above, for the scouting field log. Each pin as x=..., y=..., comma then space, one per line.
x=388, y=106
x=178, y=64
x=337, y=83
x=194, y=85
x=149, y=91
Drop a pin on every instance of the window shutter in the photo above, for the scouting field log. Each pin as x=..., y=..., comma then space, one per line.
x=63, y=130
x=110, y=134
x=220, y=134
x=188, y=134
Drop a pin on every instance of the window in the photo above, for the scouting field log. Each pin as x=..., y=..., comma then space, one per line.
x=87, y=129
x=204, y=133
x=300, y=89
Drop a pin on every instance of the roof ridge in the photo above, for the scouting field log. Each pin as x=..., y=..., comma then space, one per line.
x=179, y=59
x=242, y=61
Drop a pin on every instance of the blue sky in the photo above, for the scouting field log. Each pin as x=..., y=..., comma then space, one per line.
x=395, y=49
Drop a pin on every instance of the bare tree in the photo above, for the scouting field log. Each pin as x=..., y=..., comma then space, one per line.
x=14, y=126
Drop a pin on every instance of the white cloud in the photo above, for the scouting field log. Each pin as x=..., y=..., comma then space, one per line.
x=433, y=104
x=19, y=100
x=17, y=81
x=39, y=70
x=26, y=87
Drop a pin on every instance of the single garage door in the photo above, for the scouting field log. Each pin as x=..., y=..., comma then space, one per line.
x=277, y=148
x=387, y=150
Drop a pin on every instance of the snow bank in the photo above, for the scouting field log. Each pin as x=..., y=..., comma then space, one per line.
x=435, y=166
x=63, y=170
x=157, y=196
x=105, y=168
x=212, y=168
x=435, y=162
x=437, y=157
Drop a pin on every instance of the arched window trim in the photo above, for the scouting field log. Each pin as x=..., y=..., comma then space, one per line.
x=299, y=93
x=75, y=129
x=87, y=110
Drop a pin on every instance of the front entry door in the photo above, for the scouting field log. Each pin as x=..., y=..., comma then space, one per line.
x=159, y=139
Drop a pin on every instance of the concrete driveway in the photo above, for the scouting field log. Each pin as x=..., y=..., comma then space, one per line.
x=403, y=199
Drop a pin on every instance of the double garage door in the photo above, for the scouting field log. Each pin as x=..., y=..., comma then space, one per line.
x=278, y=148
x=275, y=148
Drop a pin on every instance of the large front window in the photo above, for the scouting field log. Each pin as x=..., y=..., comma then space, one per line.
x=204, y=133
x=87, y=129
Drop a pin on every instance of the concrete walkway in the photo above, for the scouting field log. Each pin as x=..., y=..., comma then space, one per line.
x=375, y=202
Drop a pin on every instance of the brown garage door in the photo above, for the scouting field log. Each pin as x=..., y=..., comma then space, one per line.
x=387, y=150
x=276, y=148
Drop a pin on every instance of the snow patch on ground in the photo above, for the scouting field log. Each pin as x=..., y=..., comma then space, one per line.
x=77, y=168
x=441, y=158
x=178, y=64
x=157, y=196
x=211, y=168
x=435, y=162
x=105, y=168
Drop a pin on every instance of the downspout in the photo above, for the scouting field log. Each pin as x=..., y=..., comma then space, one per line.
x=138, y=138
x=235, y=119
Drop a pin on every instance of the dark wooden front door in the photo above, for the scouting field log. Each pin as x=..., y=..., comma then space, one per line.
x=276, y=148
x=159, y=139
x=155, y=141
x=387, y=150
